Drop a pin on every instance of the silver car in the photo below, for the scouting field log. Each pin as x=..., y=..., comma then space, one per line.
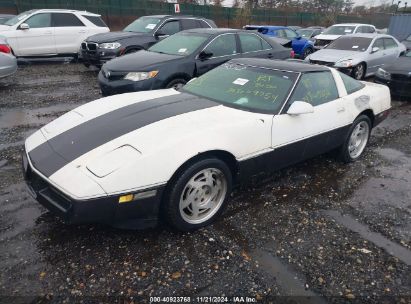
x=359, y=55
x=8, y=63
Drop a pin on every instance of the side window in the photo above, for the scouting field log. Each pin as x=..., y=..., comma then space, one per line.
x=189, y=24
x=290, y=34
x=66, y=19
x=170, y=27
x=371, y=29
x=390, y=43
x=361, y=29
x=379, y=43
x=351, y=85
x=315, y=88
x=223, y=45
x=250, y=43
x=39, y=21
x=280, y=33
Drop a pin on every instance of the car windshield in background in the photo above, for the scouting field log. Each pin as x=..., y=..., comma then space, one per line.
x=408, y=54
x=142, y=25
x=359, y=44
x=245, y=87
x=339, y=30
x=408, y=38
x=305, y=33
x=181, y=44
x=17, y=18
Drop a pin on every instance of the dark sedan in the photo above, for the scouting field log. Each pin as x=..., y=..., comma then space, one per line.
x=175, y=60
x=397, y=76
x=139, y=35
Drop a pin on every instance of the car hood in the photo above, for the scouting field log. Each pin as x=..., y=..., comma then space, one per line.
x=103, y=138
x=114, y=36
x=402, y=65
x=330, y=55
x=327, y=37
x=137, y=61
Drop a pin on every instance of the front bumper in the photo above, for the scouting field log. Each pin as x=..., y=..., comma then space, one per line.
x=97, y=57
x=119, y=86
x=401, y=88
x=137, y=214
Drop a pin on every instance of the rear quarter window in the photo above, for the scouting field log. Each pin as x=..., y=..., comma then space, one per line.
x=97, y=21
x=351, y=85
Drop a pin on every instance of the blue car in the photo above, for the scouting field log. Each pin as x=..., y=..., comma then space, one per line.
x=302, y=47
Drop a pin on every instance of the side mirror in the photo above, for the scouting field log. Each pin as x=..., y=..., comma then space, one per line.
x=161, y=34
x=300, y=107
x=204, y=55
x=375, y=49
x=24, y=26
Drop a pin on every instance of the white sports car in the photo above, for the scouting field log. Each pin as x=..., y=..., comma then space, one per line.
x=126, y=159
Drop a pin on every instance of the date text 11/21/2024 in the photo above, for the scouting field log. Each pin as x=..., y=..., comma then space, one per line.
x=203, y=299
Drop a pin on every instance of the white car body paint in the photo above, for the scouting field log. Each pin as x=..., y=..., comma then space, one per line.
x=163, y=146
x=51, y=40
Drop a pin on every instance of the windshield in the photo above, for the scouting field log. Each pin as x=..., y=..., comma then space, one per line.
x=339, y=30
x=181, y=44
x=408, y=38
x=240, y=86
x=359, y=44
x=142, y=25
x=17, y=18
x=305, y=33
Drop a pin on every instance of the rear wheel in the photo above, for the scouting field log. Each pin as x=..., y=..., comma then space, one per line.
x=357, y=139
x=358, y=71
x=198, y=196
x=307, y=52
x=176, y=84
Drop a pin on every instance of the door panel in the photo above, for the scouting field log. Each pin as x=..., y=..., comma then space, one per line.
x=69, y=32
x=38, y=39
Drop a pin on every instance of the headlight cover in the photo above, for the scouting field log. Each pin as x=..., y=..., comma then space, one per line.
x=110, y=45
x=138, y=76
x=345, y=63
x=383, y=74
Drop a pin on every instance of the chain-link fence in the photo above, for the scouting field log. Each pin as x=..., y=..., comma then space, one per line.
x=119, y=13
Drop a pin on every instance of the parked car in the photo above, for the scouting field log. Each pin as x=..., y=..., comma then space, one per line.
x=121, y=159
x=397, y=76
x=302, y=47
x=359, y=55
x=8, y=63
x=139, y=35
x=5, y=17
x=175, y=60
x=407, y=42
x=310, y=32
x=50, y=32
x=338, y=30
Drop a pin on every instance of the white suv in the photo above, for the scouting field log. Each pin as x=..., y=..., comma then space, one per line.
x=337, y=30
x=49, y=32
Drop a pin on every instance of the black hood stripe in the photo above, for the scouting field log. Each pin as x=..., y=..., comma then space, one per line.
x=62, y=149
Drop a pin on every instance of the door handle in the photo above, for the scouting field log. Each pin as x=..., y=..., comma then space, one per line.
x=82, y=32
x=340, y=109
x=270, y=55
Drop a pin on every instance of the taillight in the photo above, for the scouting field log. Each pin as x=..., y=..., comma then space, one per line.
x=4, y=48
x=292, y=54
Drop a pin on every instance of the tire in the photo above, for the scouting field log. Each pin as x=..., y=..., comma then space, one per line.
x=130, y=51
x=189, y=195
x=358, y=72
x=176, y=84
x=87, y=65
x=359, y=131
x=307, y=52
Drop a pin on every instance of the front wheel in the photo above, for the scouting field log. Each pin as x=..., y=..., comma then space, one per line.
x=358, y=71
x=176, y=84
x=198, y=196
x=357, y=139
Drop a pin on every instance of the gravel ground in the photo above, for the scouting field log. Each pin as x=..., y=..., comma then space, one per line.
x=319, y=232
